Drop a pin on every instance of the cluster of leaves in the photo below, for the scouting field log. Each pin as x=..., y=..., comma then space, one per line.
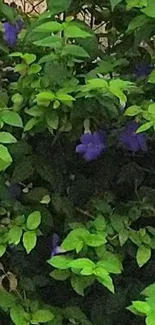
x=64, y=77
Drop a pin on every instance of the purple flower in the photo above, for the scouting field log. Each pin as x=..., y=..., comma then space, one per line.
x=142, y=69
x=132, y=141
x=92, y=144
x=11, y=32
x=55, y=248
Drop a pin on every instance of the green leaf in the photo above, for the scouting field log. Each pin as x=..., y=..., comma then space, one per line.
x=14, y=235
x=96, y=240
x=6, y=137
x=72, y=31
x=150, y=8
x=151, y=109
x=100, y=223
x=54, y=42
x=17, y=99
x=2, y=249
x=60, y=262
x=29, y=58
x=133, y=110
x=34, y=69
x=64, y=97
x=74, y=50
x=137, y=22
x=58, y=6
x=110, y=263
x=95, y=84
x=11, y=118
x=48, y=58
x=30, y=124
x=60, y=275
x=80, y=283
x=104, y=278
x=33, y=220
x=136, y=3
x=149, y=291
x=49, y=27
x=151, y=78
x=7, y=300
x=5, y=158
x=29, y=240
x=52, y=119
x=123, y=236
x=18, y=315
x=141, y=306
x=114, y=3
x=21, y=68
x=145, y=127
x=45, y=96
x=150, y=319
x=82, y=263
x=75, y=237
x=35, y=111
x=143, y=255
x=7, y=11
x=42, y=316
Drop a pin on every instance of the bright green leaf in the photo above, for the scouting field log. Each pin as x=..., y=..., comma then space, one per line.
x=133, y=110
x=14, y=235
x=29, y=240
x=82, y=263
x=5, y=158
x=111, y=263
x=72, y=31
x=104, y=278
x=6, y=137
x=33, y=220
x=49, y=27
x=11, y=118
x=144, y=127
x=150, y=319
x=151, y=78
x=29, y=58
x=60, y=262
x=143, y=255
x=142, y=307
x=33, y=69
x=18, y=315
x=42, y=316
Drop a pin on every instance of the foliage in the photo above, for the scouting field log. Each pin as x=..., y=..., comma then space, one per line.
x=77, y=181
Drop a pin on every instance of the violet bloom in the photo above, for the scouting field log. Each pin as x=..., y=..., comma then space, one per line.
x=56, y=249
x=142, y=69
x=131, y=140
x=11, y=32
x=92, y=145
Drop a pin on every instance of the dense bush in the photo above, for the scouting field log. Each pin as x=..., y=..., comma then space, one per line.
x=77, y=155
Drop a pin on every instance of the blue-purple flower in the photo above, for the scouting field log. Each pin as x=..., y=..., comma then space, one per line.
x=92, y=145
x=131, y=140
x=142, y=69
x=11, y=32
x=56, y=249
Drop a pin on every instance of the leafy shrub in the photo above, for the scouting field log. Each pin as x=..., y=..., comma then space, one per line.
x=77, y=182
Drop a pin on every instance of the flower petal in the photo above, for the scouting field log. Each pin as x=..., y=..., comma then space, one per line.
x=86, y=138
x=81, y=148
